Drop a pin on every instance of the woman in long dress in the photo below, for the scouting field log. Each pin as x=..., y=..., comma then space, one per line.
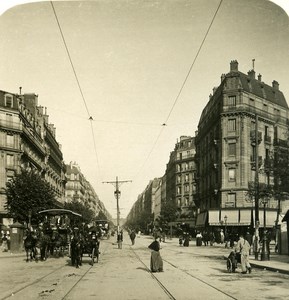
x=156, y=263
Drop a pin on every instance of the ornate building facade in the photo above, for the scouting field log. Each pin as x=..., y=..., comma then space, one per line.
x=27, y=140
x=244, y=115
x=180, y=179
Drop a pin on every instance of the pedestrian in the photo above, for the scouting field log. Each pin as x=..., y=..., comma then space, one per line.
x=181, y=240
x=243, y=247
x=132, y=237
x=4, y=243
x=119, y=239
x=156, y=263
x=186, y=240
x=199, y=239
x=222, y=236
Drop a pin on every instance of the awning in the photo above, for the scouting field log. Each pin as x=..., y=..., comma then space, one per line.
x=270, y=218
x=59, y=211
x=232, y=217
x=214, y=217
x=245, y=216
x=201, y=219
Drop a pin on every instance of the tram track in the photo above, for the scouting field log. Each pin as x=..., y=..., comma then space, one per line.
x=153, y=276
x=35, y=283
x=166, y=290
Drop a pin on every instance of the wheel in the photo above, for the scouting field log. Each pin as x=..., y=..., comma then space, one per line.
x=229, y=265
x=92, y=256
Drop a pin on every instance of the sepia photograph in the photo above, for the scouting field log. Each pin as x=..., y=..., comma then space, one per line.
x=144, y=149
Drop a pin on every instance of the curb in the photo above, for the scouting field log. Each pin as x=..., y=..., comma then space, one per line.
x=265, y=268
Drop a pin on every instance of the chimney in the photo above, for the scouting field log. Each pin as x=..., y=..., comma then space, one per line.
x=20, y=89
x=260, y=77
x=251, y=74
x=275, y=85
x=234, y=66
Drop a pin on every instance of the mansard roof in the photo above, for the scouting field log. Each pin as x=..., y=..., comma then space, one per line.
x=263, y=90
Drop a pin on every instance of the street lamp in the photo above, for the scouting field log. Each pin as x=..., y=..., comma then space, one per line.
x=265, y=254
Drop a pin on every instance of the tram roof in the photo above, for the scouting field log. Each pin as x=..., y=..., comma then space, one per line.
x=59, y=211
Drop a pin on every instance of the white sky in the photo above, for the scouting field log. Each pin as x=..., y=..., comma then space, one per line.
x=131, y=59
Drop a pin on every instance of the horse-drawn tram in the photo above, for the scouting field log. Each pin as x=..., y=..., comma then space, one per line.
x=62, y=233
x=52, y=236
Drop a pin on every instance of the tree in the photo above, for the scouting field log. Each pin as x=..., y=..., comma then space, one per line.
x=27, y=194
x=81, y=208
x=169, y=212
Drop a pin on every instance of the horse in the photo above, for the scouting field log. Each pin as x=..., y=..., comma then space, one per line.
x=76, y=250
x=44, y=241
x=57, y=243
x=30, y=246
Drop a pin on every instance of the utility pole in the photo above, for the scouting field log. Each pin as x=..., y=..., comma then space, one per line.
x=117, y=193
x=256, y=240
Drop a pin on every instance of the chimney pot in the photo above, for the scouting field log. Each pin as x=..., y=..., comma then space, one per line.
x=251, y=74
x=275, y=84
x=260, y=77
x=234, y=66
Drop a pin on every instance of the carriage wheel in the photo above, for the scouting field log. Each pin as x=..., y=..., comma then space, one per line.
x=92, y=256
x=229, y=265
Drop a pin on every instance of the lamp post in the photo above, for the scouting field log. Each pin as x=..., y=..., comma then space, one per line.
x=117, y=194
x=265, y=254
x=225, y=219
x=29, y=218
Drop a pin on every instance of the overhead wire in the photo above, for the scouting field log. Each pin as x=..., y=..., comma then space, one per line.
x=78, y=83
x=69, y=57
x=182, y=86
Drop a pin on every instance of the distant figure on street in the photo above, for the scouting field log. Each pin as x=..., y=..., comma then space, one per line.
x=222, y=236
x=199, y=239
x=156, y=263
x=132, y=237
x=186, y=239
x=243, y=247
x=181, y=240
x=119, y=239
x=4, y=243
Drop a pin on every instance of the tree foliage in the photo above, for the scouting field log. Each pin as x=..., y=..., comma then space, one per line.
x=28, y=193
x=82, y=208
x=169, y=212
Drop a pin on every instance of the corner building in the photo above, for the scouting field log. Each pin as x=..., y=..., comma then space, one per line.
x=243, y=110
x=28, y=140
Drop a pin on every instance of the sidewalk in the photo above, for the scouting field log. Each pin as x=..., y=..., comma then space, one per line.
x=277, y=263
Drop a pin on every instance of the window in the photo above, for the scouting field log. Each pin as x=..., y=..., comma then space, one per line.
x=231, y=200
x=232, y=149
x=179, y=180
x=232, y=101
x=179, y=190
x=232, y=125
x=187, y=177
x=186, y=202
x=187, y=188
x=8, y=101
x=9, y=160
x=10, y=140
x=232, y=174
x=179, y=202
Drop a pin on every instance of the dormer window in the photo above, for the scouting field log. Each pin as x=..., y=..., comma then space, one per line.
x=8, y=101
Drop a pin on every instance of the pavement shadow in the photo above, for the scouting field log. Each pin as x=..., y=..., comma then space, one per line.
x=143, y=269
